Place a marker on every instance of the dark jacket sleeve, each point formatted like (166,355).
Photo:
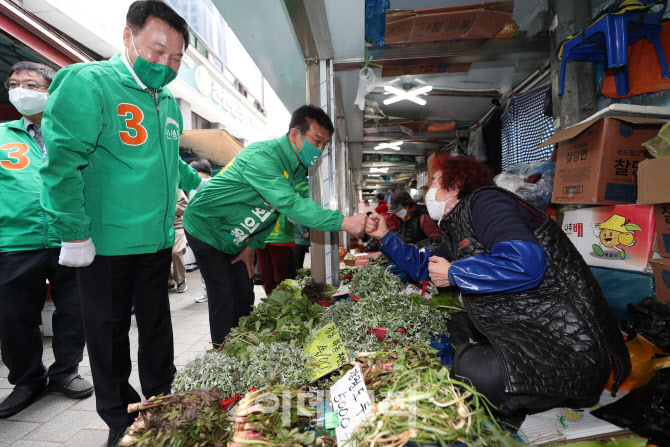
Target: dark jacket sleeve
(516,261)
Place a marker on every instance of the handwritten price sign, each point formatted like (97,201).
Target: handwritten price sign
(352,403)
(328,350)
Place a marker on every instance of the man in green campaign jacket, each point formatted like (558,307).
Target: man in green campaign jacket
(29,252)
(236,211)
(112,176)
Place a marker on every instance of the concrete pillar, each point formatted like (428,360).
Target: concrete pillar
(579,101)
(318,238)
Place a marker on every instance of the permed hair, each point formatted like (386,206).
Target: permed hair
(462,172)
(45,71)
(140,11)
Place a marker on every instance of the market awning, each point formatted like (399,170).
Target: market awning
(216,145)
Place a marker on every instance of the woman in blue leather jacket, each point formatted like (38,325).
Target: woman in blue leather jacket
(537,332)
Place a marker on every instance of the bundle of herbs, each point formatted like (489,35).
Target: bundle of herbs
(211,369)
(381,368)
(193,418)
(279,364)
(280,317)
(427,406)
(374,279)
(275,416)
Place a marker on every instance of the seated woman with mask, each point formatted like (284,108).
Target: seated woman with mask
(537,332)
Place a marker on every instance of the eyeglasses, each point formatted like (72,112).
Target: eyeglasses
(28,85)
(323,145)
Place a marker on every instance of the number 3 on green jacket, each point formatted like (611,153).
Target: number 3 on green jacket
(24,223)
(113,165)
(239,206)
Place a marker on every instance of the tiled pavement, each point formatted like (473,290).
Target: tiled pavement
(55,420)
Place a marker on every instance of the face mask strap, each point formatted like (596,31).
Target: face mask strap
(132,39)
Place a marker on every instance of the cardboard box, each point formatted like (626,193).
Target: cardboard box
(653,181)
(399,26)
(463,22)
(662,217)
(662,279)
(597,160)
(617,237)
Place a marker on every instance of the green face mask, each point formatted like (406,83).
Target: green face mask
(151,74)
(309,154)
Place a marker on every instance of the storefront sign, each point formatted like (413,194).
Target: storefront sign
(237,117)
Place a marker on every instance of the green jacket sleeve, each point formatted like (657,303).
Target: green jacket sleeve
(71,125)
(267,178)
(188,177)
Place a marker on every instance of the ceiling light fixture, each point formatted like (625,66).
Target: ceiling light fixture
(409,95)
(382,170)
(394,145)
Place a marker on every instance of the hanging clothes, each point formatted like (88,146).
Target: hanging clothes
(524,126)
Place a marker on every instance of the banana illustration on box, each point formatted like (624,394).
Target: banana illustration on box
(615,234)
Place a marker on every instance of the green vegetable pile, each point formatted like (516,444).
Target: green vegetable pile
(270,364)
(384,305)
(285,316)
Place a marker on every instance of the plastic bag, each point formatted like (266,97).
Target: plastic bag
(659,146)
(645,411)
(476,145)
(366,83)
(539,193)
(652,320)
(515,179)
(644,364)
(375,20)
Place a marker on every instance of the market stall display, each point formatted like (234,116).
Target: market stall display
(266,358)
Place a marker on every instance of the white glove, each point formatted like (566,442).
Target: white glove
(77,254)
(202,183)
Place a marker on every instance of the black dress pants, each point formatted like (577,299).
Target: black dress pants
(230,291)
(23,289)
(107,289)
(476,362)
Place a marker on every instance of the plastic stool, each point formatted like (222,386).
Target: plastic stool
(607,40)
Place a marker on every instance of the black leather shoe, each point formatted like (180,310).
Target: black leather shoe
(20,398)
(115,435)
(75,387)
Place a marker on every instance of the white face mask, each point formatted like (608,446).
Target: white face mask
(401,214)
(435,208)
(28,102)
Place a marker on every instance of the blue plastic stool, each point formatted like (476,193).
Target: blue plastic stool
(607,40)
